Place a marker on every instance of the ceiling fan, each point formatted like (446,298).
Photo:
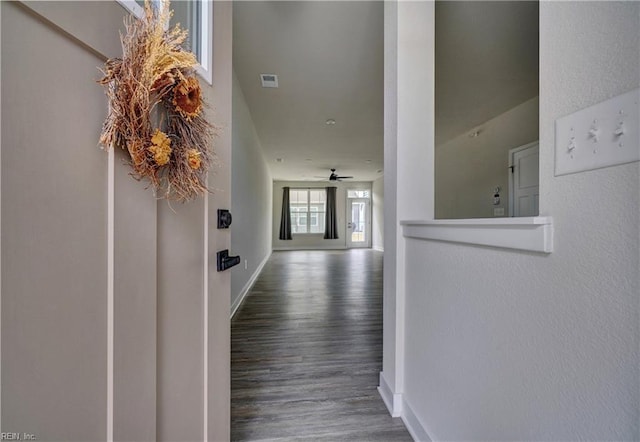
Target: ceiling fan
(334,176)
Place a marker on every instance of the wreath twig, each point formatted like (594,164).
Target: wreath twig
(156,107)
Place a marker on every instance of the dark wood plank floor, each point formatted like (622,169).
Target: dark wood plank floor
(306,351)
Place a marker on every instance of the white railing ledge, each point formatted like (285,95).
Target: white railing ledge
(534,234)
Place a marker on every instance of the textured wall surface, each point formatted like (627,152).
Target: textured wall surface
(503,345)
(251,197)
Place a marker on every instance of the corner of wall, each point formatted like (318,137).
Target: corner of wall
(398,406)
(393,401)
(239,299)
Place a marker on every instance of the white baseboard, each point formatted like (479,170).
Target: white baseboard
(393,401)
(398,407)
(286,249)
(247,287)
(378,248)
(415,428)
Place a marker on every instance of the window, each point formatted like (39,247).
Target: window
(307,210)
(358,194)
(187,13)
(197,17)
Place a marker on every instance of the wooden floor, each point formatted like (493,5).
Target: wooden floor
(306,351)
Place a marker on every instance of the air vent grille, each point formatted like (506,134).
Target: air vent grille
(269,80)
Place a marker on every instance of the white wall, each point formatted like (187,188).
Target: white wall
(251,200)
(468,169)
(504,345)
(408,166)
(377,207)
(313,241)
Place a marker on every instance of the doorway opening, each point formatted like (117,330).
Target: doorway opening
(524,187)
(358,219)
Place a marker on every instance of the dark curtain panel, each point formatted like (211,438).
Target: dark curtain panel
(331,217)
(285,220)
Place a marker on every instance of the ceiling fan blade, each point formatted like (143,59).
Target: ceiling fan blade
(335,177)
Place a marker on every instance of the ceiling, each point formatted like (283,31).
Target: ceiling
(329,59)
(486,62)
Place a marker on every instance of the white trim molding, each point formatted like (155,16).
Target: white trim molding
(247,287)
(110,287)
(205,317)
(392,400)
(300,248)
(0,230)
(411,421)
(534,234)
(399,407)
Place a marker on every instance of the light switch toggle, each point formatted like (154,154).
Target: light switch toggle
(617,143)
(572,144)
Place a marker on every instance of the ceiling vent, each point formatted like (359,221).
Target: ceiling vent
(269,80)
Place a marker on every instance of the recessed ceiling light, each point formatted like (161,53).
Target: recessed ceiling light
(330,122)
(279,160)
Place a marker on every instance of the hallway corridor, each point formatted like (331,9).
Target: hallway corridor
(306,351)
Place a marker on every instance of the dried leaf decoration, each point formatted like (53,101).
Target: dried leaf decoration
(156,107)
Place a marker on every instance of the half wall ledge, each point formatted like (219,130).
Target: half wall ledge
(533,234)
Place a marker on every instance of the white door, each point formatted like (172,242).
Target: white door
(524,188)
(115,323)
(358,222)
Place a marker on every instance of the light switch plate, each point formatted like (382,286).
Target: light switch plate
(601,135)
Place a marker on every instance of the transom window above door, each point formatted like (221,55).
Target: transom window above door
(353,193)
(194,15)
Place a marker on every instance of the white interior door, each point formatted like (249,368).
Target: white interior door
(524,187)
(358,222)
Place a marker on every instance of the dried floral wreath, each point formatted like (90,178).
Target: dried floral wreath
(156,107)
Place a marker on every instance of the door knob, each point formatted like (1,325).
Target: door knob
(224,219)
(225,261)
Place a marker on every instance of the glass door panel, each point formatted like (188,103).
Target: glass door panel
(358,223)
